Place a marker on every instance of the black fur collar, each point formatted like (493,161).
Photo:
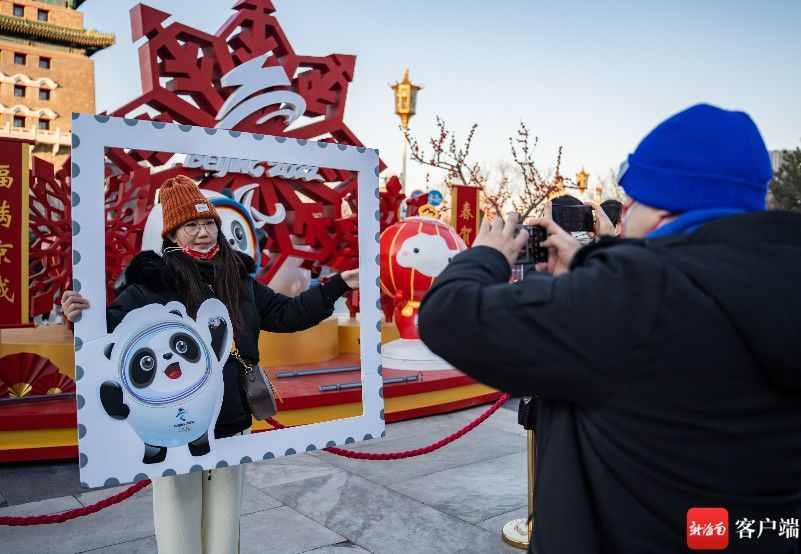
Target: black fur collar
(149,269)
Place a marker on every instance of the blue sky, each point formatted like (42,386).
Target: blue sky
(591,76)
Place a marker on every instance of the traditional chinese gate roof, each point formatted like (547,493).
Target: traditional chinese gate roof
(89,40)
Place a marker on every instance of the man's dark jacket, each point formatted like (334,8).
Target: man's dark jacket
(148,281)
(668,376)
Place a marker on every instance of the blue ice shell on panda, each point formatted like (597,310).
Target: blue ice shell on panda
(238,227)
(168,375)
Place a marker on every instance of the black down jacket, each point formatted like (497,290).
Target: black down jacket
(668,376)
(147,282)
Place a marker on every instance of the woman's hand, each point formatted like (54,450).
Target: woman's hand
(561,248)
(72,304)
(351,278)
(500,235)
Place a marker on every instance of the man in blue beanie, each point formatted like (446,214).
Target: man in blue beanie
(666,365)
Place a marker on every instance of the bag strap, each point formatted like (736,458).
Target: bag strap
(250,296)
(235,353)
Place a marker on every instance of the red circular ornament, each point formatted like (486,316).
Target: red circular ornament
(413,252)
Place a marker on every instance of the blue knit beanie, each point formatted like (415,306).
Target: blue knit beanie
(703,157)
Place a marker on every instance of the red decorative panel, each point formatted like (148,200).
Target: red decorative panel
(465,212)
(246,76)
(14,187)
(51,230)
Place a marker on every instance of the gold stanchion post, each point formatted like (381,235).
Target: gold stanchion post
(518,532)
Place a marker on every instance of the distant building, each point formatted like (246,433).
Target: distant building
(776,159)
(45,71)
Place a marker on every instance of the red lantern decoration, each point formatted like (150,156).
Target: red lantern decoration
(413,252)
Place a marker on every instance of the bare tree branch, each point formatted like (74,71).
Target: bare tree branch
(520,185)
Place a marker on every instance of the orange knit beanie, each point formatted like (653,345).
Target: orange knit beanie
(182,201)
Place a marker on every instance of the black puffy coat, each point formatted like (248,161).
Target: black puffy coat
(668,376)
(147,282)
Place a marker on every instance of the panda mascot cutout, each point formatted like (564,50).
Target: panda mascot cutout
(168,370)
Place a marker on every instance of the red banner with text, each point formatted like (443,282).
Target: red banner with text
(465,216)
(14,173)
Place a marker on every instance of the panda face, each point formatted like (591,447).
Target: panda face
(142,367)
(165,363)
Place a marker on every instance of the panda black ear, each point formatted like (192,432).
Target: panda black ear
(176,312)
(107,350)
(218,329)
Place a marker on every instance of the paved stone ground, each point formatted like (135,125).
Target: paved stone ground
(456,499)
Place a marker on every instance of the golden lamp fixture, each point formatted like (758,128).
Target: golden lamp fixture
(405,98)
(582,178)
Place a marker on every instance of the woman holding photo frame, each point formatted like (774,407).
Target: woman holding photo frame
(199,512)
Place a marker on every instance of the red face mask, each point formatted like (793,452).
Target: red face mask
(197,254)
(201,255)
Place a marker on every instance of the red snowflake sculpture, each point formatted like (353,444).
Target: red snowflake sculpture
(124,194)
(245,77)
(51,230)
(248,77)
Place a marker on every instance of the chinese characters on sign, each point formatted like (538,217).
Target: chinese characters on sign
(4,248)
(13,233)
(5,214)
(464,212)
(5,292)
(6,180)
(467,211)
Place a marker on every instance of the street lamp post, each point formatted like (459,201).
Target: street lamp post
(405,102)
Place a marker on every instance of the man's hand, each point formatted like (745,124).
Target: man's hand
(351,278)
(602,224)
(561,248)
(500,235)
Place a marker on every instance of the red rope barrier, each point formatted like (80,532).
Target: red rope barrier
(133,489)
(417,451)
(77,512)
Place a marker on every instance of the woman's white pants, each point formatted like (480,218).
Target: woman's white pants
(196,514)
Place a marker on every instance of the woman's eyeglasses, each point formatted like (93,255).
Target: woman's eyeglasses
(193,227)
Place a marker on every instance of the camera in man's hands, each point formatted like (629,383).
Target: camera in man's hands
(573,218)
(533,251)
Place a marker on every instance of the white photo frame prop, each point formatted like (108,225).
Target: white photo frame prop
(110,451)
